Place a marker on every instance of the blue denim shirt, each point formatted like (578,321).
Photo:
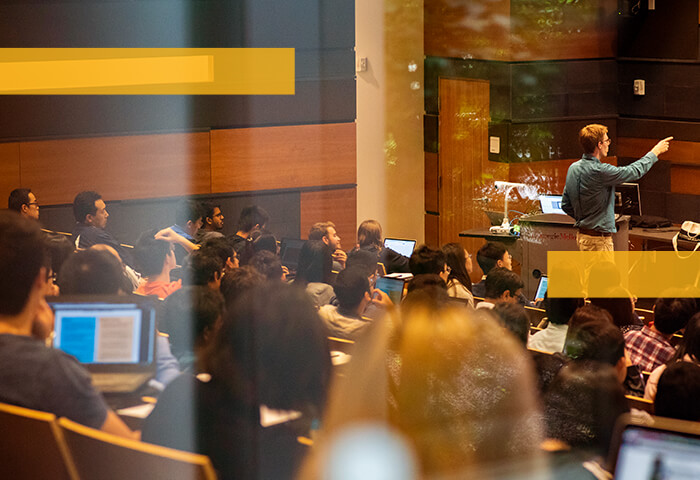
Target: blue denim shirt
(589,194)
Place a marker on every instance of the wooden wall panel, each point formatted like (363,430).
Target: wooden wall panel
(9,172)
(685,179)
(338,206)
(283,157)
(141,166)
(432,228)
(680,153)
(431,182)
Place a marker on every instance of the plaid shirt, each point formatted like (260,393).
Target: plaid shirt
(647,348)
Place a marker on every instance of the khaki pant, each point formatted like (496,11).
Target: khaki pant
(592,243)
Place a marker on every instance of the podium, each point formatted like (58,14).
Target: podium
(540,234)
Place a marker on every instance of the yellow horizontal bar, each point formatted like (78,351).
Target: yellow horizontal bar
(147,71)
(616,274)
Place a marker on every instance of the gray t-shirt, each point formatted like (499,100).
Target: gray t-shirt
(41,378)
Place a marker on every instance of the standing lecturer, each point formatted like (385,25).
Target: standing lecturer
(589,194)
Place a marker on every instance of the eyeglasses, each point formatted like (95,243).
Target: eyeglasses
(448,269)
(606,141)
(36,204)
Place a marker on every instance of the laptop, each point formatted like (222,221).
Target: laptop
(665,448)
(112,336)
(541,288)
(551,204)
(392,286)
(289,252)
(400,245)
(627,199)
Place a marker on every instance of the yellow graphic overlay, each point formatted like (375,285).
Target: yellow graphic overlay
(147,71)
(616,274)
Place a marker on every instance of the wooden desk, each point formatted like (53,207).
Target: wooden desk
(658,238)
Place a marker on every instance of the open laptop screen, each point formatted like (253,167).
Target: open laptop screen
(551,204)
(541,288)
(105,332)
(392,287)
(400,245)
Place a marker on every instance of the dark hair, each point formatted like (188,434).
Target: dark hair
(218,247)
(84,205)
(582,404)
(514,318)
(150,254)
(588,313)
(315,263)
(362,259)
(268,264)
(620,310)
(431,286)
(560,310)
(456,258)
(59,248)
(672,314)
(690,343)
(427,260)
(201,267)
(597,340)
(22,254)
(92,272)
(369,234)
(189,313)
(273,343)
(252,216)
(500,280)
(188,211)
(678,392)
(17,198)
(320,230)
(489,254)
(350,287)
(238,282)
(208,209)
(266,242)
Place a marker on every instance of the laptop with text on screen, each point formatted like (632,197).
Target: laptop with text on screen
(112,336)
(551,204)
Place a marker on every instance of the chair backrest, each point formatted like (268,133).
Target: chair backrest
(640,403)
(32,446)
(340,344)
(98,455)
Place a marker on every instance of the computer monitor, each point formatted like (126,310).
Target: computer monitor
(627,199)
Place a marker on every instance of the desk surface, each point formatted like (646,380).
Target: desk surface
(663,235)
(485,233)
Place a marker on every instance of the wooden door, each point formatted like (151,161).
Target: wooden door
(464,169)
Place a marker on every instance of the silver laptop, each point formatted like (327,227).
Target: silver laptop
(402,246)
(112,336)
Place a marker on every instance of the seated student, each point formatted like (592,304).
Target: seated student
(59,248)
(650,347)
(155,259)
(191,316)
(514,318)
(501,285)
(326,232)
(367,261)
(91,217)
(582,405)
(239,283)
(132,278)
(251,223)
(369,237)
(271,350)
(621,309)
(678,392)
(188,221)
(269,265)
(559,311)
(353,293)
(24,202)
(314,272)
(688,351)
(490,256)
(100,273)
(460,262)
(33,375)
(220,247)
(212,223)
(203,269)
(426,260)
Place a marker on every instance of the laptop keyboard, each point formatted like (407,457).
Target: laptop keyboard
(119,382)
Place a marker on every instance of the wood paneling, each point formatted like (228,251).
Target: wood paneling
(680,153)
(140,166)
(9,171)
(431,182)
(283,157)
(432,226)
(338,206)
(685,179)
(464,166)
